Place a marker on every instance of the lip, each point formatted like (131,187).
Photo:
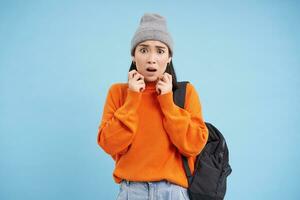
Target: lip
(150,73)
(151,68)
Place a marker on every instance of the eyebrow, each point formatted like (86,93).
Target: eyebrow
(145,45)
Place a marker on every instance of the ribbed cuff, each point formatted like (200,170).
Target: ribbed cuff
(166,102)
(132,100)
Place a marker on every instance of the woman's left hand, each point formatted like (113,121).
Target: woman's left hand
(164,84)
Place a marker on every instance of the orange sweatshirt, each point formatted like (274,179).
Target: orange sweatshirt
(146,133)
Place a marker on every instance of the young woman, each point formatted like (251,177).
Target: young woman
(142,129)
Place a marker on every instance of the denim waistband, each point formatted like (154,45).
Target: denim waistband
(162,182)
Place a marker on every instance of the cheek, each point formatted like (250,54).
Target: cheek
(139,70)
(163,62)
(140,64)
(163,67)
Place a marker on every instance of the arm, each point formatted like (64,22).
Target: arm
(119,122)
(185,127)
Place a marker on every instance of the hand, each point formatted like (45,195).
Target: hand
(136,81)
(164,84)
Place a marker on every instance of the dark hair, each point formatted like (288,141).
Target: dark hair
(169,69)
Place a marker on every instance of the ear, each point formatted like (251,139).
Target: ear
(170,58)
(132,58)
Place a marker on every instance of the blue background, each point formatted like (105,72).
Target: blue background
(58,59)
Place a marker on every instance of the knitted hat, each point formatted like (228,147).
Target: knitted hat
(152,27)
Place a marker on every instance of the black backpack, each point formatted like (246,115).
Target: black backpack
(211,166)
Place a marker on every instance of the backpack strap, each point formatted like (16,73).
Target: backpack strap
(179,100)
(179,94)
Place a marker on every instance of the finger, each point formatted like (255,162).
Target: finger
(131,74)
(141,78)
(160,78)
(157,80)
(170,77)
(158,90)
(158,87)
(140,81)
(165,78)
(138,77)
(142,88)
(161,83)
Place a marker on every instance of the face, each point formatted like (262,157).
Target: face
(151,58)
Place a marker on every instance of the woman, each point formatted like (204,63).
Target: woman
(142,129)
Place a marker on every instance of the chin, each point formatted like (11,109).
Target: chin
(151,79)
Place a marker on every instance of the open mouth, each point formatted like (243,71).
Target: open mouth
(149,69)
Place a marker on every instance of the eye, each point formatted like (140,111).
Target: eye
(143,50)
(160,51)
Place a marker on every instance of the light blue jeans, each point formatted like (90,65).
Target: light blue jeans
(158,190)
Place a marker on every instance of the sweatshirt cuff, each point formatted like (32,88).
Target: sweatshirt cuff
(132,100)
(166,102)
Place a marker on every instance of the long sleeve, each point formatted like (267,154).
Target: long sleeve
(185,127)
(119,121)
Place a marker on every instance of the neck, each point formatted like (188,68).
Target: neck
(151,85)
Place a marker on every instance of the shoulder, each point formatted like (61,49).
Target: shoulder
(117,93)
(117,90)
(191,92)
(118,87)
(189,87)
(192,99)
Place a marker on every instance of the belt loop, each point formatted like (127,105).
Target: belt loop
(148,185)
(126,182)
(167,182)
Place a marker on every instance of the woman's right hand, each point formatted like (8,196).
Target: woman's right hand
(136,81)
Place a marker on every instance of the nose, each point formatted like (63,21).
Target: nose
(151,58)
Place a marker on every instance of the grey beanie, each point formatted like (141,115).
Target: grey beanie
(152,27)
